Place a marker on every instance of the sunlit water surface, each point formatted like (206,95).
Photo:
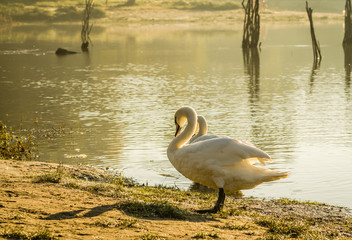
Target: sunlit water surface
(114,107)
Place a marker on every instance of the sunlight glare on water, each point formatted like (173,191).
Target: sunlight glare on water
(116,104)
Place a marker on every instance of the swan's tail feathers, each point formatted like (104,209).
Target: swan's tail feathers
(261,160)
(275,175)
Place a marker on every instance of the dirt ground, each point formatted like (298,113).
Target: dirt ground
(75,214)
(29,207)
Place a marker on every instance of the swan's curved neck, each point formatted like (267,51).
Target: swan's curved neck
(203,126)
(186,134)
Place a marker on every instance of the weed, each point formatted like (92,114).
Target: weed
(19,233)
(120,180)
(15,147)
(92,187)
(289,227)
(150,236)
(120,223)
(53,177)
(203,235)
(294,201)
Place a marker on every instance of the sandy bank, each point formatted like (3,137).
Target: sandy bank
(79,202)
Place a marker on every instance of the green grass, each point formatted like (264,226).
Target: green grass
(203,235)
(284,226)
(119,223)
(21,234)
(294,201)
(150,236)
(53,177)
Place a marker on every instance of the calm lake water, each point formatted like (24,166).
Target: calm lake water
(114,107)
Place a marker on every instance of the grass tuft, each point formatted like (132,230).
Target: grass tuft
(153,210)
(150,236)
(288,227)
(19,233)
(15,147)
(203,235)
(120,223)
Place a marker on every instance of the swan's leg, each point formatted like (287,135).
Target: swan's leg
(218,205)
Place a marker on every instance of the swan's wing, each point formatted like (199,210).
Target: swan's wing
(224,151)
(248,151)
(262,156)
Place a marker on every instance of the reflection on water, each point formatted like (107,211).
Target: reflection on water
(114,106)
(348,66)
(315,70)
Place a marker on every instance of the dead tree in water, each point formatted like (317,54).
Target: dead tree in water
(86,27)
(347,39)
(251,25)
(347,43)
(315,44)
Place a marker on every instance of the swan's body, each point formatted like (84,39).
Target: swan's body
(220,163)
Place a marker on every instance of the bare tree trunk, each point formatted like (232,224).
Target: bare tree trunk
(86,27)
(251,25)
(315,44)
(347,39)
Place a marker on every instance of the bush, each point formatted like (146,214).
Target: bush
(15,147)
(68,14)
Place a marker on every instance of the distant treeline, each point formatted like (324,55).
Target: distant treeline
(335,6)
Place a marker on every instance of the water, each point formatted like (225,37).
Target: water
(114,107)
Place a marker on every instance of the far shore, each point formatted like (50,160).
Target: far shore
(151,15)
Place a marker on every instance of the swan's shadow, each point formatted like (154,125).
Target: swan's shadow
(155,211)
(93,212)
(161,210)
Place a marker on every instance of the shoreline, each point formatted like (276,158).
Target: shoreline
(80,202)
(152,15)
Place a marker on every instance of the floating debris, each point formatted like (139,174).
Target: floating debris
(75,155)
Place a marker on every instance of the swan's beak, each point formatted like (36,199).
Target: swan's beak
(177,128)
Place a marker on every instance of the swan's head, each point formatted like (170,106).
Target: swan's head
(179,122)
(181,117)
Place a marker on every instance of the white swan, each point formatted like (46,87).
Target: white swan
(219,163)
(202,128)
